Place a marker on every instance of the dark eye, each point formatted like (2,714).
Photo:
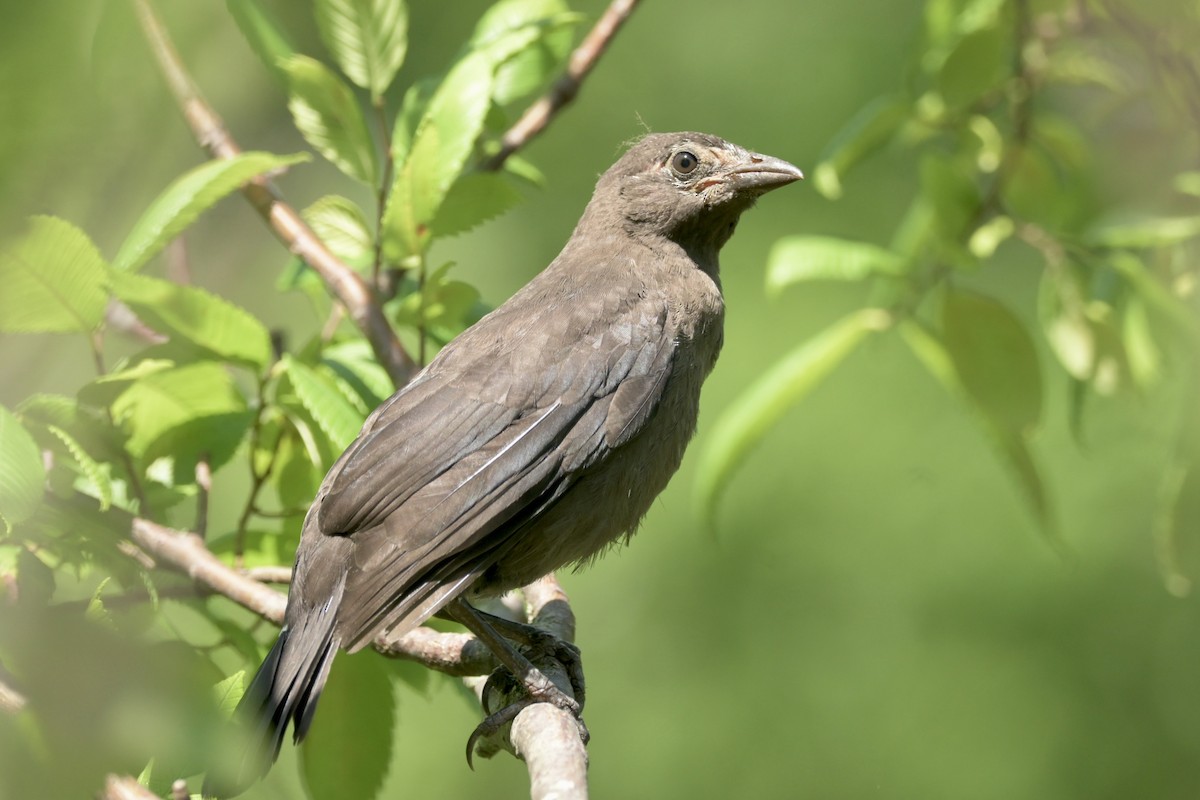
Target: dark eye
(684,162)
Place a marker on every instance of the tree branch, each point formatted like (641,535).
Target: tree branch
(11,701)
(210,132)
(539,115)
(123,787)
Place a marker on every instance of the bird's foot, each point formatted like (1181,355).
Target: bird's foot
(538,689)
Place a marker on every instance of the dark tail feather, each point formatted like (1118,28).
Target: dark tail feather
(285,689)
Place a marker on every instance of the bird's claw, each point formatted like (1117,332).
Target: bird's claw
(550,694)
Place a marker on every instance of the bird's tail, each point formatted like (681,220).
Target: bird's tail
(285,689)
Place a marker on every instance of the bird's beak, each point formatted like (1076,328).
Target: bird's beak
(763,173)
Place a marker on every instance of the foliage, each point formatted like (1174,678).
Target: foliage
(1004,177)
(212,391)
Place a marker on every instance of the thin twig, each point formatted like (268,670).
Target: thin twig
(582,60)
(203,490)
(342,281)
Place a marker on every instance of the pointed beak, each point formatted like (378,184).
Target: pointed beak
(761,173)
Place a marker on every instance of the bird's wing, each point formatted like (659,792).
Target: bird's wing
(446,473)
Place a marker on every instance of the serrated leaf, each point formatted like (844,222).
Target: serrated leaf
(54,280)
(808,258)
(330,119)
(213,324)
(22,474)
(528,70)
(865,133)
(473,200)
(228,692)
(90,468)
(342,226)
(756,410)
(355,363)
(349,752)
(189,196)
(337,417)
(263,32)
(442,142)
(1009,445)
(183,412)
(368,39)
(995,359)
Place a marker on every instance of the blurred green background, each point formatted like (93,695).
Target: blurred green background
(877,614)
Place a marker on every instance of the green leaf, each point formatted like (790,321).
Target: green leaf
(103,390)
(184,412)
(1151,232)
(337,417)
(756,410)
(528,70)
(990,235)
(349,752)
(54,280)
(228,692)
(866,132)
(1156,296)
(810,258)
(211,323)
(263,33)
(995,358)
(1062,311)
(259,548)
(330,119)
(442,142)
(1008,444)
(977,64)
(91,469)
(951,192)
(355,364)
(1143,354)
(473,200)
(22,474)
(368,39)
(343,227)
(189,196)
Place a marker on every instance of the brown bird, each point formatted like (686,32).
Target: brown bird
(535,439)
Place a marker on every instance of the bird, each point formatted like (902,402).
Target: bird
(537,438)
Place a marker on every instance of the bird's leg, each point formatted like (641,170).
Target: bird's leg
(543,642)
(538,687)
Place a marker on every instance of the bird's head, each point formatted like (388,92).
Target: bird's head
(689,187)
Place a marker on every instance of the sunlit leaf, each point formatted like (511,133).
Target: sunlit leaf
(183,412)
(229,692)
(1061,310)
(263,32)
(442,141)
(337,417)
(53,279)
(330,119)
(187,197)
(91,469)
(359,707)
(528,70)
(211,323)
(990,235)
(368,39)
(342,226)
(995,359)
(21,471)
(756,410)
(794,259)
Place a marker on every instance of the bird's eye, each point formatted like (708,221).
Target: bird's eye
(684,162)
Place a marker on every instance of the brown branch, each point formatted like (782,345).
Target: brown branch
(454,654)
(343,282)
(582,60)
